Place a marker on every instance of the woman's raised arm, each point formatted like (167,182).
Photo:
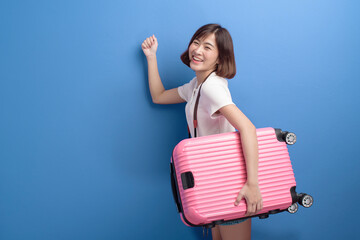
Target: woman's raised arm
(158,93)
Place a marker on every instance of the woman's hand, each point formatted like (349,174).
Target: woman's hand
(252,195)
(149,46)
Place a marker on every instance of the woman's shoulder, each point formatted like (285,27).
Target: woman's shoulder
(215,86)
(216,80)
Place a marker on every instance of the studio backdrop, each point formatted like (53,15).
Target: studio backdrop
(84,153)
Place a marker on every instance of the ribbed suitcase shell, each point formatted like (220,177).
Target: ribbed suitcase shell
(218,168)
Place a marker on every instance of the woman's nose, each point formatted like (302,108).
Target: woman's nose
(197,49)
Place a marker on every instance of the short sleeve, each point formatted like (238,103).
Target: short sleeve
(186,90)
(217,96)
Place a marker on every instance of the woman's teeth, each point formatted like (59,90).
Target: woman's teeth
(197,59)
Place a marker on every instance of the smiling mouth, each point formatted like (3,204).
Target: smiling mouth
(196,59)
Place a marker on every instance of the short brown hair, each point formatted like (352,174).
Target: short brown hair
(226,67)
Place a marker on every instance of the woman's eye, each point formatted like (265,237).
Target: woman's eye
(207,48)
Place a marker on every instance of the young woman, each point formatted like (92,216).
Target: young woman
(211,55)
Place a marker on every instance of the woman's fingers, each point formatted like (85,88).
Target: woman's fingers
(238,199)
(259,206)
(252,197)
(149,42)
(248,210)
(251,209)
(149,46)
(255,207)
(146,44)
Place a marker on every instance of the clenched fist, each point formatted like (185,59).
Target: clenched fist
(149,46)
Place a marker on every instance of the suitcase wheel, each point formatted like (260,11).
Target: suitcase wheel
(290,138)
(306,200)
(293,208)
(285,136)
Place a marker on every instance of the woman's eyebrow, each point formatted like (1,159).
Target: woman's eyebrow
(209,44)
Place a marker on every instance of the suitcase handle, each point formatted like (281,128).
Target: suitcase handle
(187,179)
(174,187)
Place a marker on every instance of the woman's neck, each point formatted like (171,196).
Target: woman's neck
(201,76)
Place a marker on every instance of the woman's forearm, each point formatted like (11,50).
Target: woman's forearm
(155,84)
(250,150)
(249,141)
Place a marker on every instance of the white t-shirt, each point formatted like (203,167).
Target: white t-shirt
(215,94)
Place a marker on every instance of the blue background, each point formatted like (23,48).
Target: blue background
(84,153)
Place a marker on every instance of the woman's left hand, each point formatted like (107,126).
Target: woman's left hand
(252,195)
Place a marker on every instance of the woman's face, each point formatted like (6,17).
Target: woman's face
(203,54)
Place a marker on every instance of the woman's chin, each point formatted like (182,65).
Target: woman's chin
(195,66)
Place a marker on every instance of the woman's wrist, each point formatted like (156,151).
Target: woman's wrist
(151,57)
(252,182)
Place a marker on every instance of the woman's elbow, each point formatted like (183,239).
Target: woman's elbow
(156,100)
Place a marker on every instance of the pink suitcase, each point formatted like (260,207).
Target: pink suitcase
(207,174)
